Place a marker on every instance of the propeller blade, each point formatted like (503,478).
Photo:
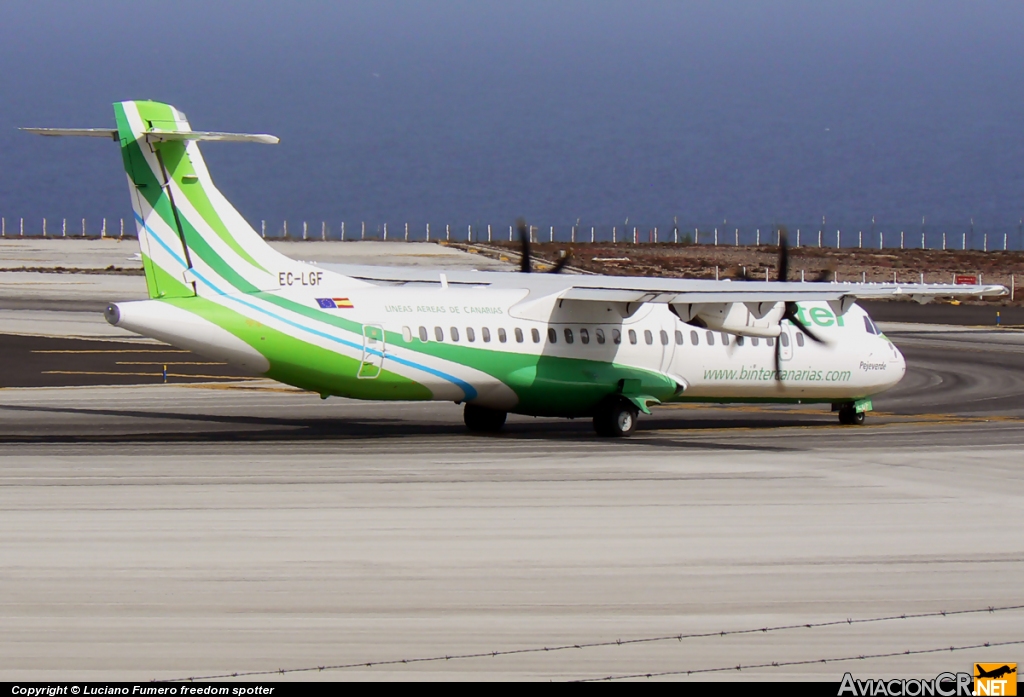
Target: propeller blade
(826,275)
(791,315)
(562,262)
(525,263)
(783,274)
(778,358)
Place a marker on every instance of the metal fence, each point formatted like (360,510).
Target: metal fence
(934,237)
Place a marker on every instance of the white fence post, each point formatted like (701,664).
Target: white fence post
(83,227)
(984,247)
(943,241)
(122,227)
(634,234)
(407,232)
(342,230)
(305,230)
(737,242)
(469,233)
(509,233)
(3,227)
(1005,236)
(819,238)
(964,244)
(447,232)
(591,233)
(860,239)
(362,234)
(385,232)
(488,232)
(428,232)
(44,227)
(64,227)
(757,242)
(263,229)
(881,240)
(286,229)
(901,239)
(21,227)
(716,237)
(323,230)
(613,234)
(798,237)
(551,235)
(839,239)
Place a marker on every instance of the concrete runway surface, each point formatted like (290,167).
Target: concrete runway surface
(168,531)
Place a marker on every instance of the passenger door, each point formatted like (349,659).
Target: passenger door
(372,361)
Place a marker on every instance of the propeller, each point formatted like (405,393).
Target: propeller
(791,310)
(526,258)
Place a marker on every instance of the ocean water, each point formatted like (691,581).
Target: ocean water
(732,115)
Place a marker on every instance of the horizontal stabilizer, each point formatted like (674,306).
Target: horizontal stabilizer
(87,132)
(157,136)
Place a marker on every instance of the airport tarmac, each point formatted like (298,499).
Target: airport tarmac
(212,525)
(177,530)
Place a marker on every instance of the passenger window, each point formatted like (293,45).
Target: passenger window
(502,337)
(725,339)
(423,334)
(784,339)
(519,335)
(632,336)
(694,338)
(679,338)
(739,340)
(584,336)
(552,335)
(664,338)
(799,339)
(406,334)
(648,337)
(770,341)
(470,334)
(753,341)
(599,335)
(616,337)
(439,333)
(711,338)
(454,333)
(568,336)
(485,334)
(535,333)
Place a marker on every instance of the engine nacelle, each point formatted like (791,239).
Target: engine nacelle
(743,319)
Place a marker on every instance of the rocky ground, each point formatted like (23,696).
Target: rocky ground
(705,261)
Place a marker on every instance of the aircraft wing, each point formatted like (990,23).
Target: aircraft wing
(639,289)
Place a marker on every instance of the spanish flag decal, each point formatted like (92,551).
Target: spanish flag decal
(334,303)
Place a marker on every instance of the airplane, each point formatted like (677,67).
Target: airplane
(995,673)
(540,344)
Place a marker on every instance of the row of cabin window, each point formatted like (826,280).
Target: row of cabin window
(598,336)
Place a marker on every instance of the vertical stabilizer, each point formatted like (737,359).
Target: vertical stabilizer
(193,241)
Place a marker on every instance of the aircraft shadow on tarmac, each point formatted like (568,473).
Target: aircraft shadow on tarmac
(282,429)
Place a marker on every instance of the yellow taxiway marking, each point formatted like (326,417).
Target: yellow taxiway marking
(114,351)
(156,375)
(167,363)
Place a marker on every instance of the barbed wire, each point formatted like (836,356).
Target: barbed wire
(594,644)
(783,664)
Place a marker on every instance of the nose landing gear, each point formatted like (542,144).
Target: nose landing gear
(849,416)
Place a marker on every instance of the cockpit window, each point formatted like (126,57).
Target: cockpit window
(869,326)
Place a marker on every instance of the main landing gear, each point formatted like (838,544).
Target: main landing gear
(615,418)
(849,416)
(483,420)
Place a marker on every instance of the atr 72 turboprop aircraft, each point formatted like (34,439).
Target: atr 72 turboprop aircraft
(537,344)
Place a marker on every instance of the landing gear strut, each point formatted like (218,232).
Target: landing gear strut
(615,418)
(483,420)
(849,416)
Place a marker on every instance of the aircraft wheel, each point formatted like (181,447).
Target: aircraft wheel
(849,416)
(616,418)
(483,420)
